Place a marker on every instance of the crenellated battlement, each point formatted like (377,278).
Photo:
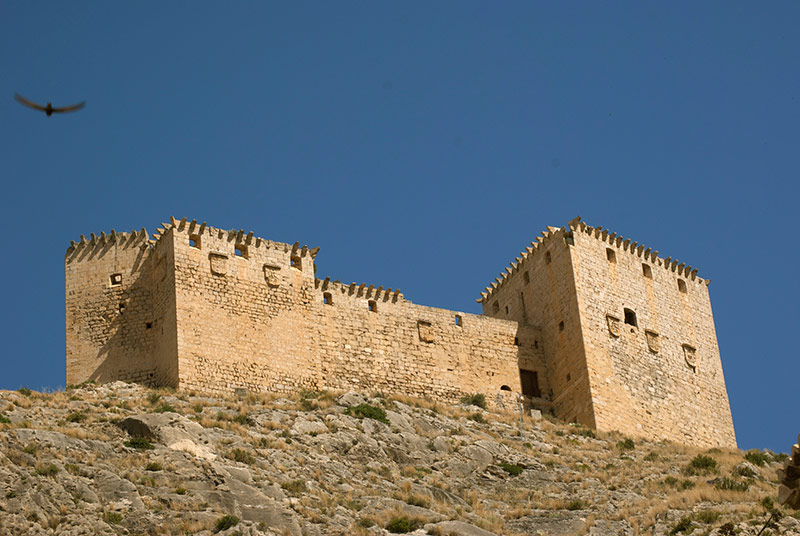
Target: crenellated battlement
(79,250)
(521,262)
(681,269)
(362,291)
(193,229)
(603,235)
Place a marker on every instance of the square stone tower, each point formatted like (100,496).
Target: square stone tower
(629,338)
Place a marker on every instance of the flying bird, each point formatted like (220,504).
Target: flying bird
(49,110)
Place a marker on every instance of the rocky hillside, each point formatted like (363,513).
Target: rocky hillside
(122,459)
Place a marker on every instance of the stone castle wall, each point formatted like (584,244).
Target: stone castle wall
(260,319)
(215,310)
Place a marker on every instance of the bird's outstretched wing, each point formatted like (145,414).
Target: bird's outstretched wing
(72,108)
(26,102)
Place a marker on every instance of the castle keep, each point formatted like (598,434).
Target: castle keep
(585,324)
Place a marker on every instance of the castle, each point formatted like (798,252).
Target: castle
(586,325)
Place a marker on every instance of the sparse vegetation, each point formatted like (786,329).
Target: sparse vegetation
(511,468)
(577,504)
(626,444)
(78,416)
(474,399)
(140,443)
(477,417)
(367,411)
(701,465)
(727,483)
(756,457)
(112,518)
(294,487)
(402,525)
(241,456)
(4,419)
(24,391)
(165,408)
(682,526)
(153,466)
(226,522)
(47,469)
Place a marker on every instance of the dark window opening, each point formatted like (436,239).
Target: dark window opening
(561,326)
(296,262)
(327,298)
(495,307)
(526,277)
(194,241)
(373,306)
(459,321)
(547,257)
(647,271)
(611,255)
(505,388)
(536,344)
(121,308)
(148,325)
(506,309)
(682,285)
(530,383)
(240,251)
(115,279)
(569,377)
(630,318)
(516,341)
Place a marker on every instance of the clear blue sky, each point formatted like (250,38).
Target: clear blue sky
(422,145)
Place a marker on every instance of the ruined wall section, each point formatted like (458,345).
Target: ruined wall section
(661,378)
(538,289)
(110,310)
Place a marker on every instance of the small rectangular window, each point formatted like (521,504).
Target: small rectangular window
(148,325)
(561,326)
(327,298)
(506,310)
(526,277)
(682,285)
(647,271)
(373,306)
(194,241)
(547,258)
(459,321)
(611,255)
(630,317)
(495,307)
(115,280)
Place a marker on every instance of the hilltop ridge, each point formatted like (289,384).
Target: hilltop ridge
(124,459)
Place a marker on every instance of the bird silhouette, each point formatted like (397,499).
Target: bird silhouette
(49,110)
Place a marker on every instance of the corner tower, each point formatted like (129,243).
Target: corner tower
(629,338)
